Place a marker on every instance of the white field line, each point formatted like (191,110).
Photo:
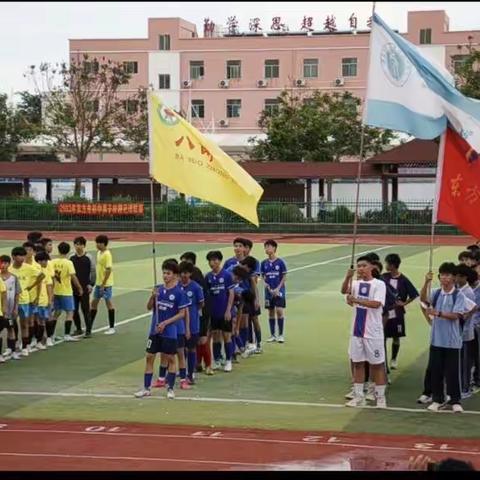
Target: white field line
(244,401)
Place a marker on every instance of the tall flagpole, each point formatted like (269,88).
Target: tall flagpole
(359,170)
(154,256)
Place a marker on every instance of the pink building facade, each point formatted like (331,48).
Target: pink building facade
(223,82)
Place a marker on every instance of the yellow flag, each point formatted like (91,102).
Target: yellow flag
(183,159)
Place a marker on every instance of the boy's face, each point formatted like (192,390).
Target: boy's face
(101,246)
(364,269)
(214,263)
(168,276)
(79,248)
(4,267)
(470,262)
(460,280)
(270,250)
(29,252)
(49,247)
(446,279)
(18,259)
(43,263)
(238,249)
(389,267)
(185,277)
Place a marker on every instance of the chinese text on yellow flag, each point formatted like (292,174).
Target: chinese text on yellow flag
(183,159)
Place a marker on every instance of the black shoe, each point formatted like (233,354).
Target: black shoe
(199,369)
(88,335)
(77,333)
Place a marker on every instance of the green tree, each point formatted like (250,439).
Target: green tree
(468,71)
(80,104)
(320,128)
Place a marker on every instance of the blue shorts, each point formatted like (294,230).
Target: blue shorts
(181,340)
(33,309)
(168,346)
(63,303)
(107,293)
(24,310)
(43,313)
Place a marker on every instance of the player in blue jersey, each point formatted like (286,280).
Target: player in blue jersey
(239,249)
(253,323)
(169,304)
(194,293)
(220,289)
(274,273)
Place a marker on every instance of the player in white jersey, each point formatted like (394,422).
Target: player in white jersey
(367,298)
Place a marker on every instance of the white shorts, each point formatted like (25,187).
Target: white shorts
(371,350)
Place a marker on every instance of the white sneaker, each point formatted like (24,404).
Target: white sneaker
(281,339)
(170,394)
(24,352)
(33,343)
(32,348)
(434,407)
(457,408)
(69,338)
(2,359)
(143,393)
(216,366)
(356,402)
(50,342)
(424,399)
(110,331)
(273,338)
(258,350)
(370,396)
(16,356)
(41,346)
(381,402)
(350,395)
(7,354)
(394,364)
(228,367)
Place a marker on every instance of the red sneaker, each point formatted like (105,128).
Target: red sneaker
(184,385)
(159,383)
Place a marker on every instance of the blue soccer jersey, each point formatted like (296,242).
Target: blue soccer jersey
(218,285)
(231,263)
(272,273)
(169,302)
(194,293)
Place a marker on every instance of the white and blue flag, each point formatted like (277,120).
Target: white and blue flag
(410,93)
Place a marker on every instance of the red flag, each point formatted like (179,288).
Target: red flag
(459,187)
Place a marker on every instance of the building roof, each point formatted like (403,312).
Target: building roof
(423,152)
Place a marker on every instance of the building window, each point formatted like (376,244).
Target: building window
(233,108)
(164,42)
(271,106)
(164,81)
(198,109)
(458,61)
(197,69)
(349,67)
(310,68)
(130,106)
(130,67)
(272,68)
(91,67)
(425,36)
(234,69)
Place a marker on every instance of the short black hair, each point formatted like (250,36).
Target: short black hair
(101,239)
(185,267)
(378,266)
(80,241)
(170,266)
(214,255)
(468,272)
(271,242)
(45,240)
(448,268)
(174,260)
(42,256)
(250,263)
(28,245)
(465,254)
(189,257)
(5,259)
(373,257)
(63,248)
(240,240)
(393,259)
(241,272)
(453,465)
(365,258)
(248,243)
(38,247)
(34,237)
(473,248)
(18,251)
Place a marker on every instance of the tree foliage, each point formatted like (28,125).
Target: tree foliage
(320,128)
(468,73)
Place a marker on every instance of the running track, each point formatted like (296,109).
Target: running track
(42,445)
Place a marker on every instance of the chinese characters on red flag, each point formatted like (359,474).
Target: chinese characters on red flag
(459,185)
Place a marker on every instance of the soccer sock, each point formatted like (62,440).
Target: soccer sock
(239,342)
(76,321)
(15,329)
(271,321)
(217,351)
(395,350)
(11,344)
(244,335)
(147,380)
(68,327)
(379,390)
(111,317)
(171,380)
(281,323)
(258,336)
(358,389)
(228,350)
(25,342)
(183,373)
(200,354)
(30,335)
(207,355)
(367,372)
(49,327)
(40,331)
(250,332)
(192,363)
(93,314)
(162,372)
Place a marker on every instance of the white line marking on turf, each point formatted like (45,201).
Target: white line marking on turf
(238,439)
(149,459)
(225,400)
(332,260)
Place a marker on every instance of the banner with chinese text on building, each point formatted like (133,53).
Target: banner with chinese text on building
(101,209)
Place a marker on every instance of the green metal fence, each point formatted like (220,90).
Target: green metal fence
(410,217)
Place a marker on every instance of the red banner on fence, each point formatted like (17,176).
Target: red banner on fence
(103,209)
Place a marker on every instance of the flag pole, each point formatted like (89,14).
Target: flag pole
(359,177)
(152,214)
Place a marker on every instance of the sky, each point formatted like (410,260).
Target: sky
(31,33)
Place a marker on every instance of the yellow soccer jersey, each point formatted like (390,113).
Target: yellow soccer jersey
(104,261)
(26,275)
(64,270)
(3,289)
(43,297)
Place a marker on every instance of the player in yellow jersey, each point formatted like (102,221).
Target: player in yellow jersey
(3,320)
(29,277)
(63,292)
(45,298)
(104,283)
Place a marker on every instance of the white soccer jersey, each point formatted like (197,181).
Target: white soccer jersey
(367,322)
